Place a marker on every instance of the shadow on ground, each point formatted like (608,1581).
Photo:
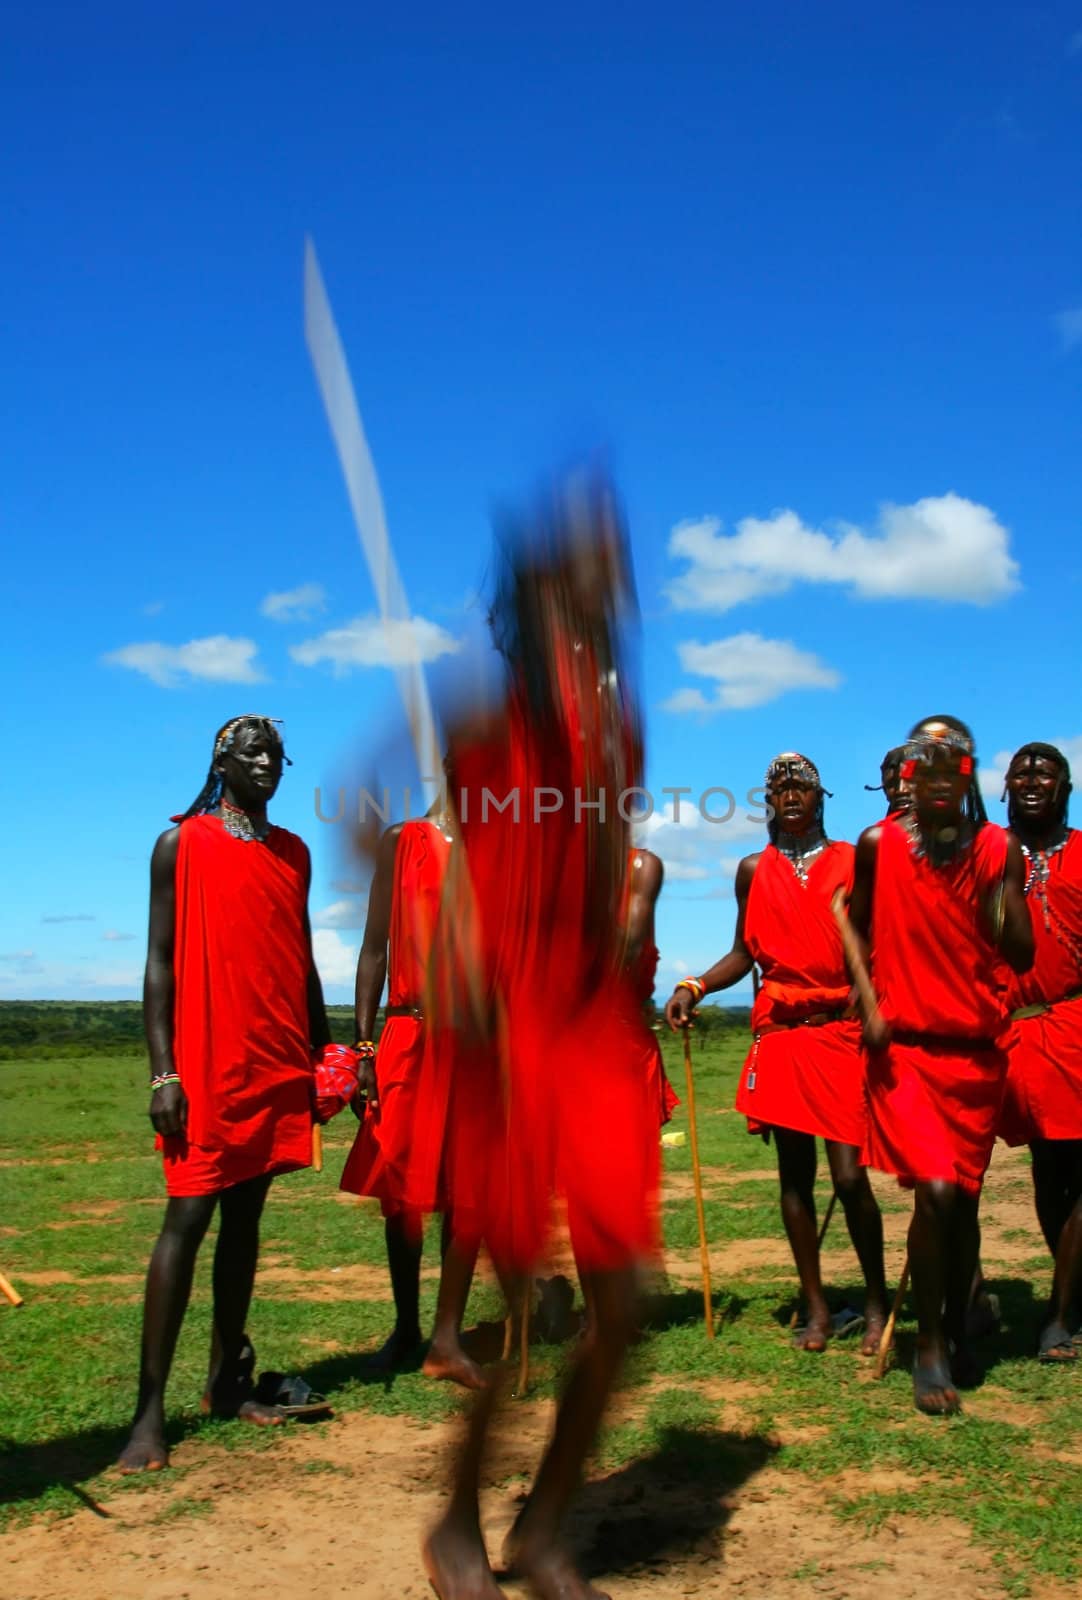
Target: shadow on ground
(674,1501)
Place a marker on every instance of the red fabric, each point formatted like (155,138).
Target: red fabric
(641,976)
(400,1147)
(790,932)
(933,1109)
(241,1034)
(933,966)
(560,1103)
(1043,1099)
(807,1079)
(334,1069)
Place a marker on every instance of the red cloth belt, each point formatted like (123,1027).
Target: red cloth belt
(405,1011)
(940,1041)
(1040,1007)
(818,1019)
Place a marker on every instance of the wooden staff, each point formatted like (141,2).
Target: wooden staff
(523,1382)
(704,1253)
(317,1147)
(887,1337)
(10,1292)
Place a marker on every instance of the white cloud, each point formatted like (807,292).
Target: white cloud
(152,608)
(295,605)
(341,914)
(370,642)
(685,872)
(1069,324)
(111,936)
(69,916)
(991,777)
(217,659)
(32,979)
(747,670)
(943,547)
(336,961)
(696,851)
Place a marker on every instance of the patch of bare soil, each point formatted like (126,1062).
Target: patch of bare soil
(339,1512)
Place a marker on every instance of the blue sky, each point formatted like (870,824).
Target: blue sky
(810,274)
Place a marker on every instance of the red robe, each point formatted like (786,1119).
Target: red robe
(1043,1099)
(383,1151)
(808,1079)
(553,1100)
(642,975)
(934,1101)
(241,1029)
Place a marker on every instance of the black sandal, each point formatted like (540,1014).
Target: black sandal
(291,1397)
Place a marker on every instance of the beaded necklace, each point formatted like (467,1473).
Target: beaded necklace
(800,850)
(240,825)
(1038,872)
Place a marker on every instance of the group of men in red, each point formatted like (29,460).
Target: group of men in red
(970,1025)
(516,1068)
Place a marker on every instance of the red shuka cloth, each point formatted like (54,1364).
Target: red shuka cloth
(383,1149)
(1043,1099)
(933,1106)
(807,1079)
(557,1101)
(241,1028)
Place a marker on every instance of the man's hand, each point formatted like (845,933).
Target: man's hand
(366,1081)
(876,1032)
(679,1009)
(169,1110)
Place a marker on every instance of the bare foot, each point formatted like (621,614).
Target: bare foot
(551,1573)
(395,1351)
(144,1452)
(874,1324)
(933,1388)
(813,1337)
(457,1564)
(453,1364)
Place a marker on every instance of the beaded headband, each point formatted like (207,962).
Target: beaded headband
(224,741)
(921,748)
(792,767)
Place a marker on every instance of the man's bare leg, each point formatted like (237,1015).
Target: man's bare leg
(796,1174)
(930,1238)
(1062,1161)
(865,1223)
(446,1357)
(453,1552)
(168,1288)
(235,1256)
(535,1545)
(404,1236)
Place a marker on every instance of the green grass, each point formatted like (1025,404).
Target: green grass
(81,1202)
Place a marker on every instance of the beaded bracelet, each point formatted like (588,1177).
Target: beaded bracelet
(696,988)
(162,1078)
(365,1049)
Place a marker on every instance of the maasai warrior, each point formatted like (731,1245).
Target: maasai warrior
(1043,1103)
(804,1075)
(233,1010)
(938,900)
(645,876)
(549,1097)
(891,782)
(399,1146)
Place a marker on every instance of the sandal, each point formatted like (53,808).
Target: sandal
(291,1397)
(1056,1346)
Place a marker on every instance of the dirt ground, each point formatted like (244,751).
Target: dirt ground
(339,1513)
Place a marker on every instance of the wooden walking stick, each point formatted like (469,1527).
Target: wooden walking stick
(317,1147)
(887,1337)
(704,1253)
(523,1381)
(10,1292)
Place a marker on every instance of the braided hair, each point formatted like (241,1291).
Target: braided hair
(210,795)
(955,735)
(890,762)
(1043,752)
